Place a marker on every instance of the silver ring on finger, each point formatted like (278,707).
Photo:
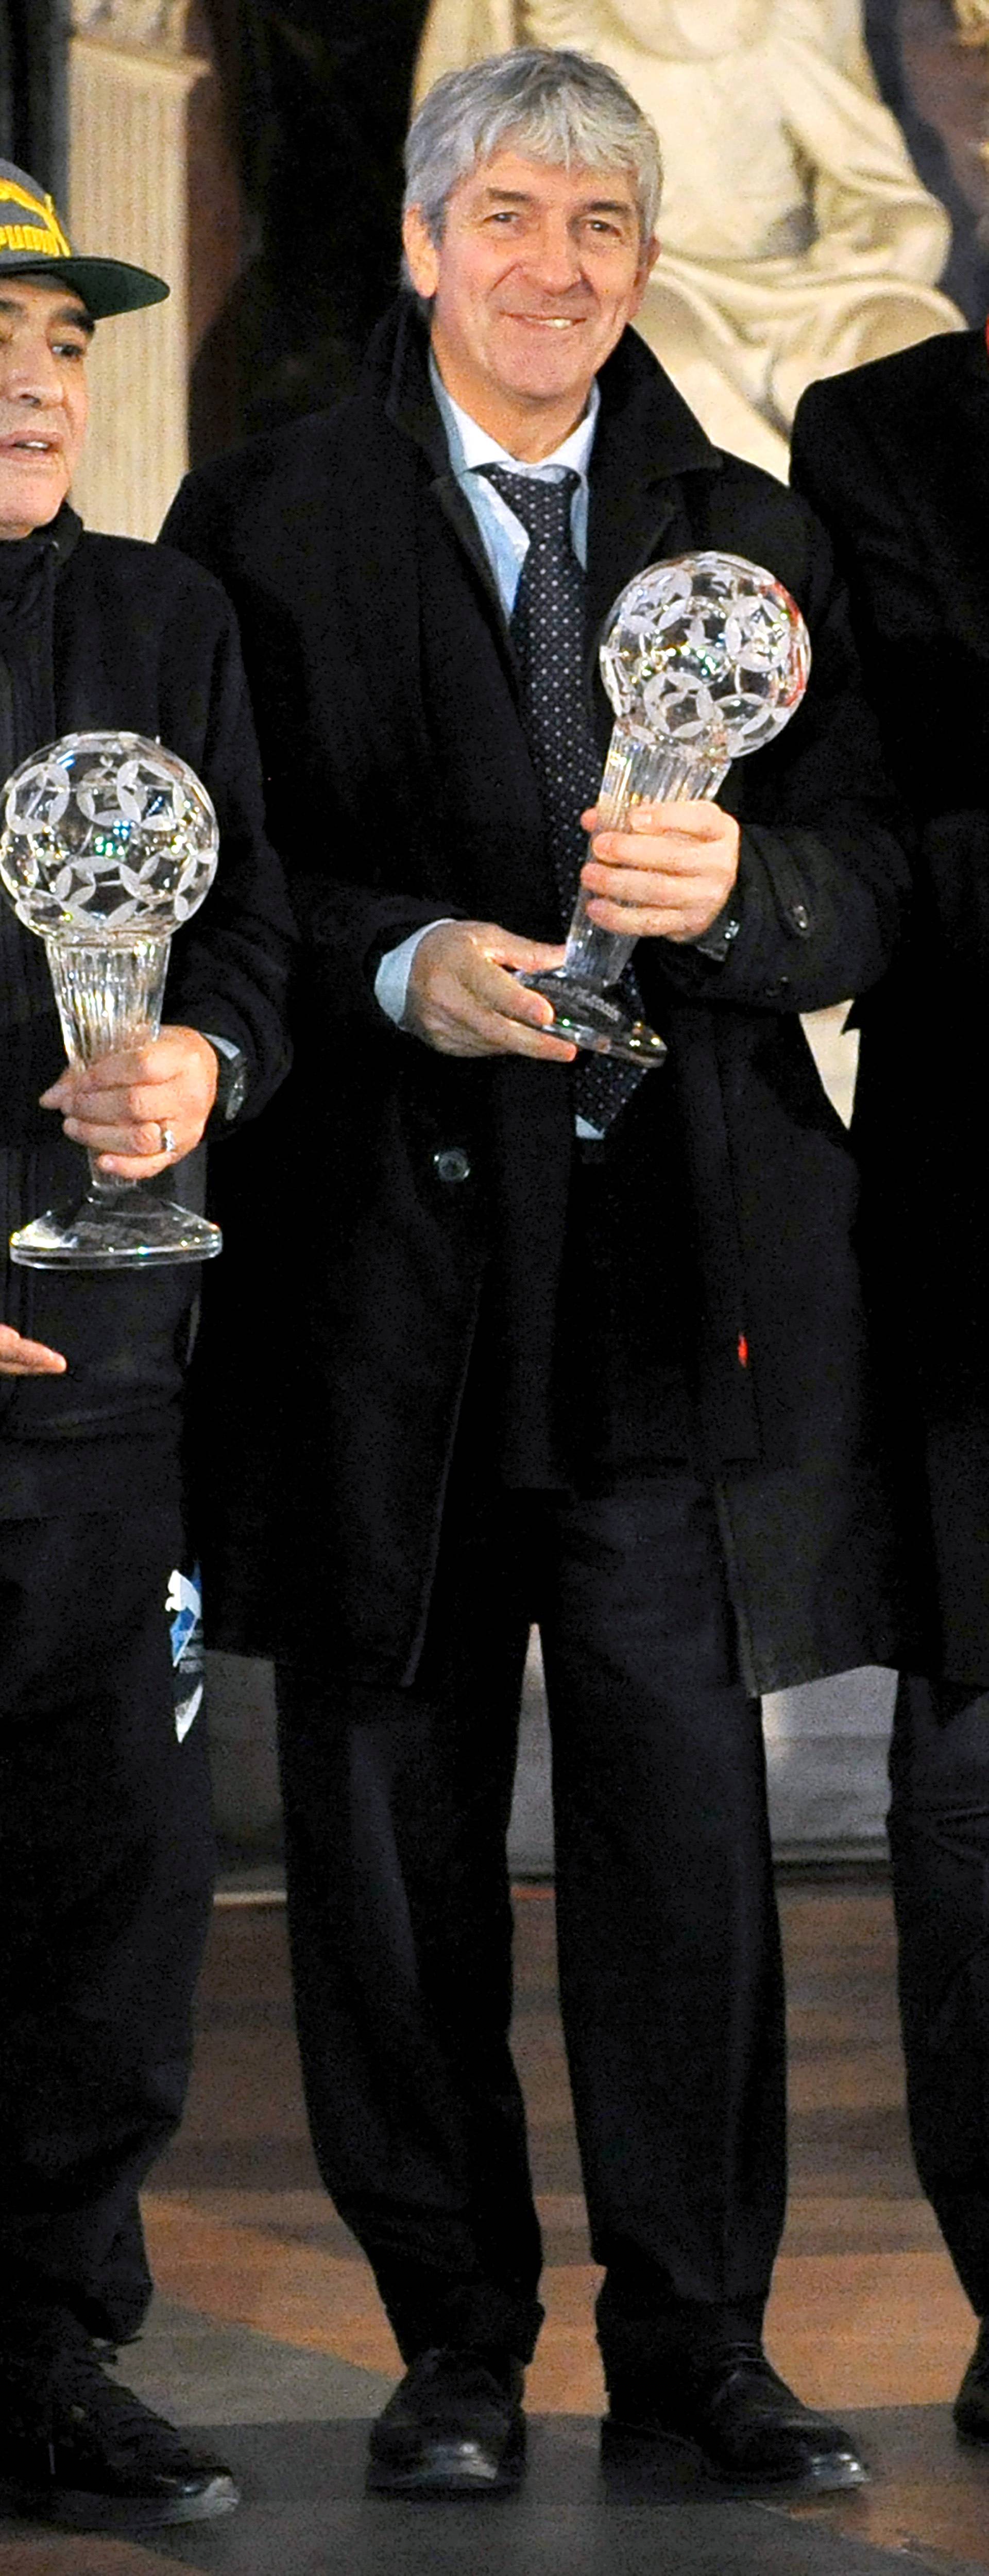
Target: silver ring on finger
(167,1139)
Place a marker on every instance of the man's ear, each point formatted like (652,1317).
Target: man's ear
(647,262)
(420,252)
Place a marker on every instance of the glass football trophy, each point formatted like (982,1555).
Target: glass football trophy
(109,844)
(705,659)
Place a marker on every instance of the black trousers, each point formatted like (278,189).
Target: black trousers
(939,1840)
(397,1805)
(105,1878)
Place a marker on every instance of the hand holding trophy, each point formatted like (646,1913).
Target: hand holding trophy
(109,845)
(706,659)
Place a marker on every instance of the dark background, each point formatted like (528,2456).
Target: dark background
(317,96)
(33,45)
(938,90)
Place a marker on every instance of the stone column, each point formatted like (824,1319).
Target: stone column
(129,85)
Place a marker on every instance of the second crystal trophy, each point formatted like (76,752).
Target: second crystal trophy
(705,659)
(109,844)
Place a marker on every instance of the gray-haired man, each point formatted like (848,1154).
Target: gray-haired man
(568,1355)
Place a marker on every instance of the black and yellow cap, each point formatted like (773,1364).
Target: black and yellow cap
(33,242)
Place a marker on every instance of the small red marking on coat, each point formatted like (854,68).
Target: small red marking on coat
(743,1351)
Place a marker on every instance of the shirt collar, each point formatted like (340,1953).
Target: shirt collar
(471,446)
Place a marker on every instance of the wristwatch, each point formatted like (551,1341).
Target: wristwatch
(231,1081)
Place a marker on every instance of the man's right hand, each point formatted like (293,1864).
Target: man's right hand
(464,999)
(19,1358)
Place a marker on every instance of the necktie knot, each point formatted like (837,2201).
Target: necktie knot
(543,507)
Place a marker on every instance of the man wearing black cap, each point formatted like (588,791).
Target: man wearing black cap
(105,1855)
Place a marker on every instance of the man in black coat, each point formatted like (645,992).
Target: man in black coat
(893,457)
(568,1358)
(105,1839)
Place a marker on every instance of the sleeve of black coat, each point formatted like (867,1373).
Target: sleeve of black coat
(925,660)
(345,924)
(230,966)
(824,876)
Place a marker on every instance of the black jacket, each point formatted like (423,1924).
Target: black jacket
(895,458)
(145,641)
(400,788)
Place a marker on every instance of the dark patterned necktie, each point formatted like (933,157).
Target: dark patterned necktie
(548,631)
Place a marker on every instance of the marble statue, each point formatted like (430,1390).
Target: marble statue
(797,238)
(973,19)
(157,24)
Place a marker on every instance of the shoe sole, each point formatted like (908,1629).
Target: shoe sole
(634,2447)
(446,2474)
(430,2487)
(76,2509)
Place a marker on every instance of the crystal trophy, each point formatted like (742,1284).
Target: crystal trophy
(706,658)
(109,844)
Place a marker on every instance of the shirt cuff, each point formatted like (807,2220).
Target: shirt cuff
(391,982)
(391,985)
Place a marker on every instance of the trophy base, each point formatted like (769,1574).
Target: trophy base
(594,1021)
(129,1231)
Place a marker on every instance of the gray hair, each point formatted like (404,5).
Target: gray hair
(552,106)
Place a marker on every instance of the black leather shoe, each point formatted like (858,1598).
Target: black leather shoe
(454,2427)
(971,2406)
(738,2414)
(77,2448)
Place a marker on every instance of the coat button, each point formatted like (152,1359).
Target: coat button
(800,918)
(451,1164)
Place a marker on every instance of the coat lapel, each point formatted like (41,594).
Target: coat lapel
(648,452)
(456,508)
(401,344)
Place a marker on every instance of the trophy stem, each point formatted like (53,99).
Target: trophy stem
(109,997)
(106,1185)
(638,771)
(109,993)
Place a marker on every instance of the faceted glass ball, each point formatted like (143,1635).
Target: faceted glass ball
(107,837)
(708,650)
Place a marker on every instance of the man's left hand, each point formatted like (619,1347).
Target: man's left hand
(124,1106)
(667,875)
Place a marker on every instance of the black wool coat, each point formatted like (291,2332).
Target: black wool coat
(400,789)
(145,641)
(895,458)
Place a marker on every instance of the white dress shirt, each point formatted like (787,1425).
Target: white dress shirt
(506,544)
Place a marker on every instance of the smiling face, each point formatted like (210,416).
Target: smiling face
(538,270)
(45,332)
